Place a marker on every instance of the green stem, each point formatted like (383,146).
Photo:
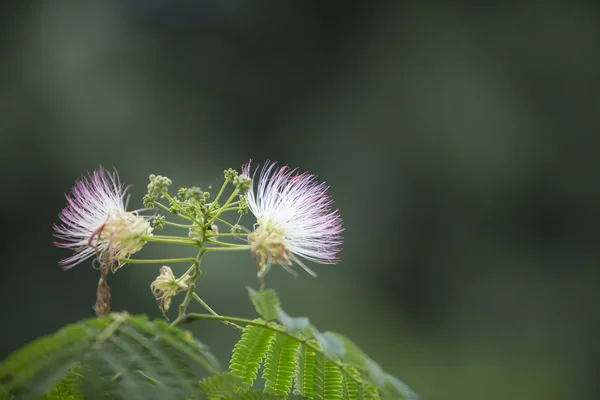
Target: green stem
(158,260)
(220,211)
(214,202)
(272,327)
(173,240)
(176,204)
(229,234)
(224,244)
(192,285)
(224,222)
(238,247)
(178,225)
(231,208)
(169,211)
(210,310)
(189,271)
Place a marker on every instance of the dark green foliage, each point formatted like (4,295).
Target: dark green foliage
(249,353)
(280,364)
(266,303)
(69,387)
(113,357)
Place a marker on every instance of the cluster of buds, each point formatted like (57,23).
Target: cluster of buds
(158,186)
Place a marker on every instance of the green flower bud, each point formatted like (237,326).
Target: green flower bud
(230,174)
(149,200)
(158,185)
(158,222)
(244,209)
(242,183)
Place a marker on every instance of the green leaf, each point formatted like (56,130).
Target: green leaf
(120,356)
(220,386)
(266,303)
(304,374)
(256,395)
(298,325)
(332,346)
(352,390)
(279,364)
(68,388)
(399,388)
(355,357)
(249,352)
(328,380)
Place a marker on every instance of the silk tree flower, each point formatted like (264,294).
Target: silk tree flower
(95,221)
(295,220)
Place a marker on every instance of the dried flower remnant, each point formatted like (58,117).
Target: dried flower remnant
(166,286)
(102,306)
(295,220)
(96,222)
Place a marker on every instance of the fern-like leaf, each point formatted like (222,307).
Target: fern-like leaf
(328,380)
(249,352)
(120,356)
(257,395)
(266,303)
(221,386)
(68,388)
(279,364)
(352,390)
(304,374)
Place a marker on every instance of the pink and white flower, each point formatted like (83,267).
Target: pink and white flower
(294,219)
(96,221)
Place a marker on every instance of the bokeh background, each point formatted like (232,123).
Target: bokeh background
(460,140)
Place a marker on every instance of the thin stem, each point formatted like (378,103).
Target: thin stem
(224,222)
(158,260)
(170,237)
(210,310)
(272,327)
(229,234)
(176,204)
(214,202)
(220,211)
(173,240)
(238,247)
(229,208)
(189,271)
(203,303)
(224,244)
(170,212)
(192,286)
(178,225)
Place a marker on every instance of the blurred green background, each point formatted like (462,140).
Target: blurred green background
(461,143)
